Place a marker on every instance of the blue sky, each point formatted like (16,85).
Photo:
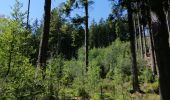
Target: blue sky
(100,9)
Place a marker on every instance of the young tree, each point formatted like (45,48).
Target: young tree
(17,14)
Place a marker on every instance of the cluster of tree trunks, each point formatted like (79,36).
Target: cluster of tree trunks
(156,23)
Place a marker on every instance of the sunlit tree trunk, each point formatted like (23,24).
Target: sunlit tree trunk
(144,39)
(140,36)
(136,44)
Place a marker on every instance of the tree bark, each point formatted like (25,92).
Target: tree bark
(161,40)
(42,57)
(28,13)
(135,82)
(153,56)
(135,35)
(140,35)
(86,35)
(144,39)
(154,70)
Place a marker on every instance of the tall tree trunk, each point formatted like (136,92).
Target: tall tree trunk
(135,34)
(42,57)
(28,13)
(153,56)
(161,40)
(135,82)
(140,36)
(86,35)
(154,70)
(142,43)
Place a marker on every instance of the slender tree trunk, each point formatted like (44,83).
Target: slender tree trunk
(161,40)
(153,56)
(86,35)
(42,57)
(28,13)
(144,39)
(154,70)
(140,36)
(135,82)
(135,35)
(142,43)
(167,21)
(137,40)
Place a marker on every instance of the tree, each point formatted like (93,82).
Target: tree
(28,13)
(85,4)
(42,56)
(17,14)
(161,41)
(148,10)
(135,82)
(86,34)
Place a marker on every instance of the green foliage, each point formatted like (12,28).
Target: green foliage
(17,14)
(16,72)
(109,69)
(146,75)
(65,38)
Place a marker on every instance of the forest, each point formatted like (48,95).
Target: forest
(62,57)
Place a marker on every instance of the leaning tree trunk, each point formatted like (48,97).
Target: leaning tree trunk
(42,57)
(135,82)
(86,35)
(161,40)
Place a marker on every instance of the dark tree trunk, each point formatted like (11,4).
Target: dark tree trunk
(42,57)
(135,35)
(135,82)
(28,13)
(161,40)
(86,36)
